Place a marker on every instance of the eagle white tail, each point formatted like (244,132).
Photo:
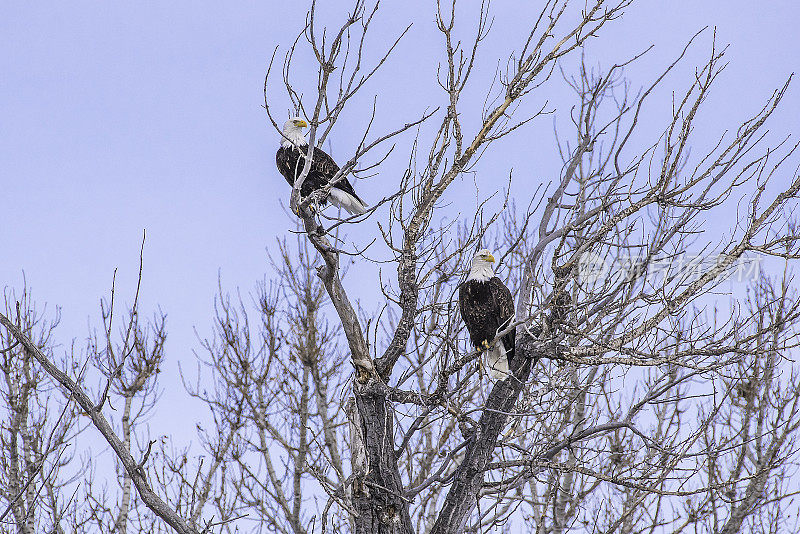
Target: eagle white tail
(346,201)
(497,361)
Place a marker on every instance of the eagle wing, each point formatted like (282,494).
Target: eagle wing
(287,160)
(474,313)
(291,161)
(504,306)
(324,165)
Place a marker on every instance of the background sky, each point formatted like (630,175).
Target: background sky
(121,116)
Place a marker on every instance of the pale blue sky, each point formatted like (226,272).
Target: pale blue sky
(119,116)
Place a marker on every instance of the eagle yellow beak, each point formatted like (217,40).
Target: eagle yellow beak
(489,258)
(301,123)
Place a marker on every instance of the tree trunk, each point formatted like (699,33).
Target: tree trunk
(463,495)
(377,489)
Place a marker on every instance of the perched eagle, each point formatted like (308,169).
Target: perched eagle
(291,158)
(487,307)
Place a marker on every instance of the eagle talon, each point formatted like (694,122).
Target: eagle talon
(485,345)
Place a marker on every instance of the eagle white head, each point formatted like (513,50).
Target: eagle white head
(293,132)
(482,268)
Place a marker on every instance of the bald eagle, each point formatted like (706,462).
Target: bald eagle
(487,307)
(291,158)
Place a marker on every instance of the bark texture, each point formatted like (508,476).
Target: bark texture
(378,496)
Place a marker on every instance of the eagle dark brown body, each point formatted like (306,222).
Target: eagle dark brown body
(487,308)
(291,160)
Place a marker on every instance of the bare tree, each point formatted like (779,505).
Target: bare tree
(639,401)
(38,463)
(129,368)
(636,208)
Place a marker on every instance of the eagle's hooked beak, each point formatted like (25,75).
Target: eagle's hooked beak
(301,123)
(489,258)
